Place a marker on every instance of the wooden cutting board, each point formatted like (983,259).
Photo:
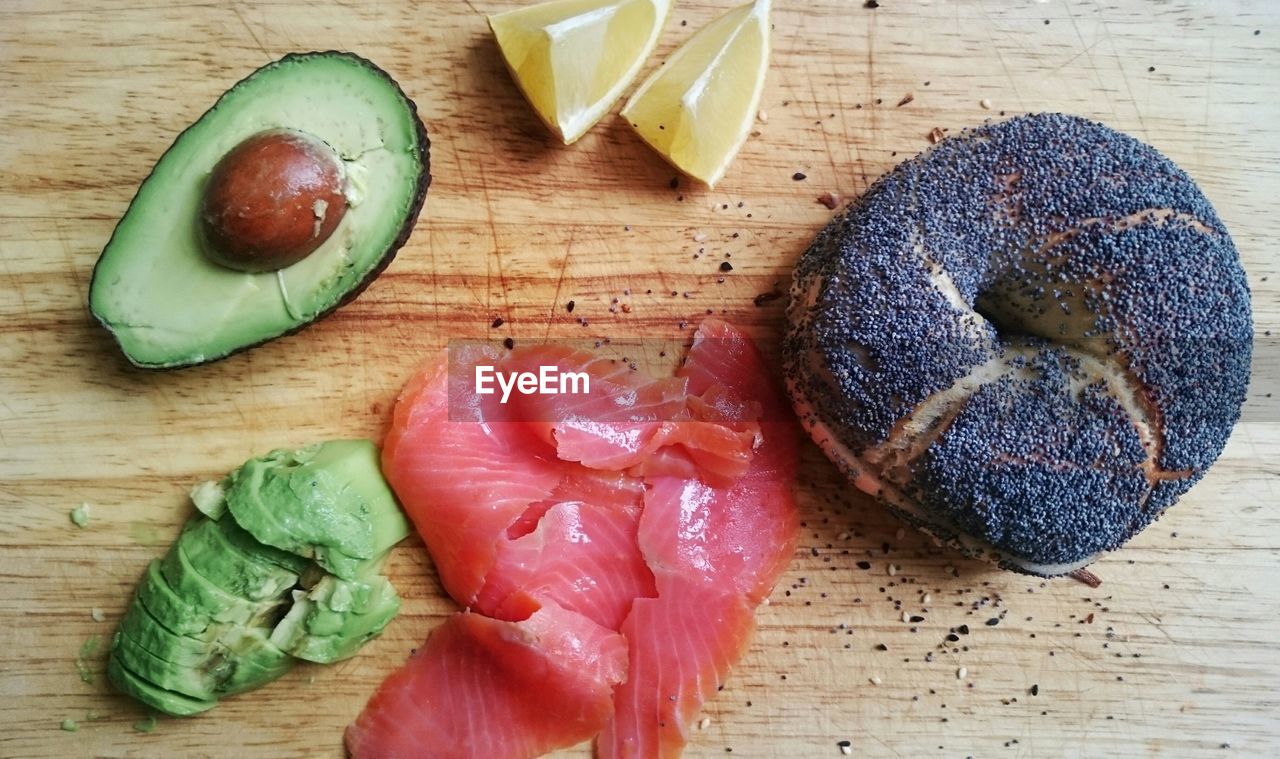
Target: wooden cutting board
(1175,655)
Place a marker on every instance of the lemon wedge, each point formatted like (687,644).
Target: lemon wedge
(573,58)
(696,109)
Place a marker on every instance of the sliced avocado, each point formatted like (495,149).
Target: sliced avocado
(144,630)
(327,502)
(212,600)
(256,660)
(235,659)
(196,682)
(209,498)
(160,294)
(173,611)
(167,701)
(335,618)
(252,584)
(226,556)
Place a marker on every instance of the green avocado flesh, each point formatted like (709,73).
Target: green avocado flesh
(333,620)
(326,502)
(153,695)
(224,611)
(162,297)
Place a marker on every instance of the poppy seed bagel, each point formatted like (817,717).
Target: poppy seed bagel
(1028,341)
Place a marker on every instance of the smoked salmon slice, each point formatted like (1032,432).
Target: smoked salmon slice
(485,687)
(611,545)
(462,480)
(680,647)
(580,556)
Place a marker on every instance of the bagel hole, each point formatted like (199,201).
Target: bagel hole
(863,356)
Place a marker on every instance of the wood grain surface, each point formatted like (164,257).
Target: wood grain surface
(1175,655)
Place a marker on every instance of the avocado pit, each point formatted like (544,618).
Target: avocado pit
(272,200)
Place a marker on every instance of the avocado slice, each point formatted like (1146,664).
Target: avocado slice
(176,613)
(164,299)
(231,659)
(256,660)
(167,701)
(211,600)
(332,620)
(326,502)
(196,682)
(144,630)
(225,555)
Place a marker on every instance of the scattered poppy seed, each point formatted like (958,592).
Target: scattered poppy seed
(509,343)
(498,322)
(799,176)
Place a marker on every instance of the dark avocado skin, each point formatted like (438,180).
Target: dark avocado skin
(406,229)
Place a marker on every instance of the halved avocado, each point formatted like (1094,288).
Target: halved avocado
(160,293)
(167,701)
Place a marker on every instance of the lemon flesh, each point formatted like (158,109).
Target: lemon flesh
(573,58)
(696,109)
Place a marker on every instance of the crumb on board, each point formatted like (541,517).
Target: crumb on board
(145,725)
(70,725)
(87,649)
(80,515)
